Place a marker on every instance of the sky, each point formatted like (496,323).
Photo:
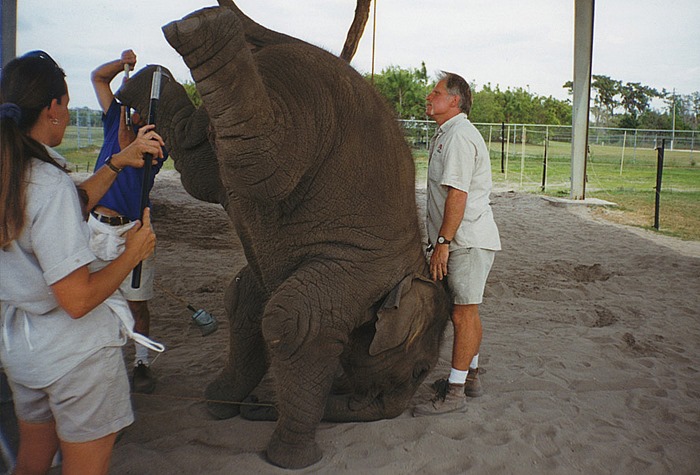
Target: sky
(505,43)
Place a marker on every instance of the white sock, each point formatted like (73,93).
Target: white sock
(475,362)
(141,354)
(457,376)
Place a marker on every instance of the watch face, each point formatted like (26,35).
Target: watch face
(441,240)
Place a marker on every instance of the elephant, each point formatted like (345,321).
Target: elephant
(335,301)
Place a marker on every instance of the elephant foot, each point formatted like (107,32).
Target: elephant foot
(253,409)
(221,402)
(293,456)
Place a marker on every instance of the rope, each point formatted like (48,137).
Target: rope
(198,399)
(179,299)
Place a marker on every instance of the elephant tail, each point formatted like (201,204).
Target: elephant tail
(352,40)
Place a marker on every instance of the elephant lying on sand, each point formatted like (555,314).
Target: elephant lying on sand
(315,174)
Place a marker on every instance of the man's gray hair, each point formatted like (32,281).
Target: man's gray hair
(457,86)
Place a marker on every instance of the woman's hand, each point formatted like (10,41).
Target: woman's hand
(140,239)
(81,291)
(147,142)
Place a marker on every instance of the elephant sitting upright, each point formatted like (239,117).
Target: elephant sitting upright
(313,170)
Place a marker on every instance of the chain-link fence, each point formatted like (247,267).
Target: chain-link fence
(533,157)
(528,157)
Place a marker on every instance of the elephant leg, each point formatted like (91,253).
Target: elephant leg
(306,327)
(293,442)
(247,361)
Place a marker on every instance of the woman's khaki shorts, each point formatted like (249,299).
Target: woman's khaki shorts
(467,271)
(88,403)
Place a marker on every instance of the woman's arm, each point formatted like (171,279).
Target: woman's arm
(81,291)
(147,142)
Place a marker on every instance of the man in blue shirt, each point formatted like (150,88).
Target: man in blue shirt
(121,206)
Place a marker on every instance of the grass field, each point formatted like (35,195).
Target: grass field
(628,180)
(626,177)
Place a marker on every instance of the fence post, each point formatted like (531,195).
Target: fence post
(522,155)
(507,153)
(77,127)
(659,172)
(622,160)
(503,144)
(544,160)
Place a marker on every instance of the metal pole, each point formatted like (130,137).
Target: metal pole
(374,36)
(544,160)
(522,156)
(503,145)
(622,159)
(507,153)
(77,127)
(8,31)
(146,170)
(673,120)
(659,172)
(583,53)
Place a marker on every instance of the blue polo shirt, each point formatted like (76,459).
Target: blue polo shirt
(124,196)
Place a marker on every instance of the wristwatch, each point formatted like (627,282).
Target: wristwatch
(442,240)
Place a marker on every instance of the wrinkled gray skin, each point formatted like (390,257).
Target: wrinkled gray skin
(315,174)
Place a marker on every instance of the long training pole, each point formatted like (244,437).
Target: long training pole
(127,112)
(146,185)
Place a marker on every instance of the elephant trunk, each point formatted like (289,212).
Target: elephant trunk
(367,408)
(212,43)
(184,130)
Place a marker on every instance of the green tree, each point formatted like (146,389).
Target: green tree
(405,89)
(486,106)
(636,98)
(192,93)
(606,91)
(553,112)
(654,120)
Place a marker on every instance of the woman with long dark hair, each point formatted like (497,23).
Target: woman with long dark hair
(61,325)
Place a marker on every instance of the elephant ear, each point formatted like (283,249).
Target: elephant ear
(399,318)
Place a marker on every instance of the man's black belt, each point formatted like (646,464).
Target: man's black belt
(111,220)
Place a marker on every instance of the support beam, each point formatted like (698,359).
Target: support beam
(8,31)
(583,54)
